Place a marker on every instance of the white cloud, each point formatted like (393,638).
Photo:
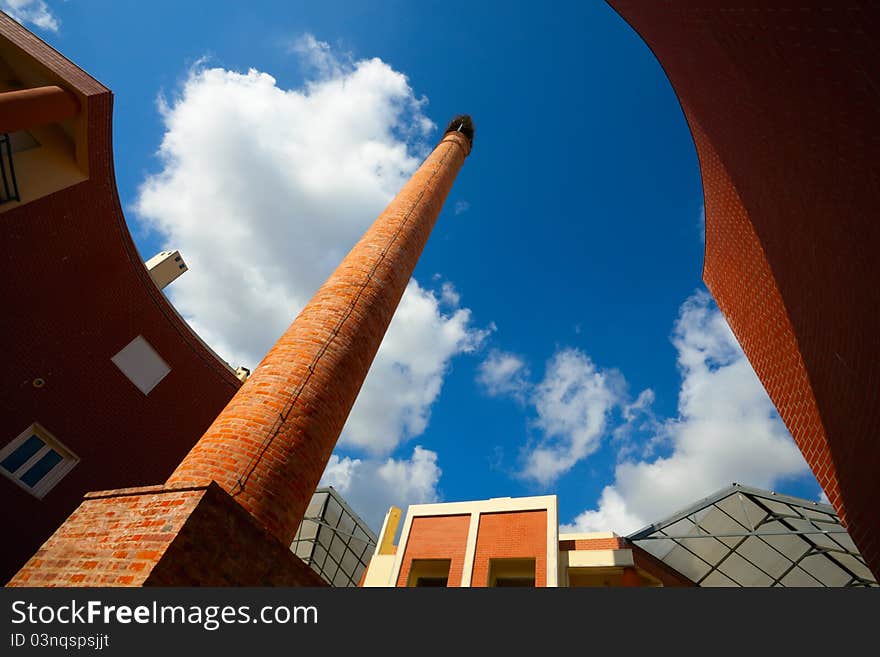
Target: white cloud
(35,12)
(573,403)
(504,373)
(727,430)
(265,189)
(408,372)
(371,486)
(461,207)
(449,295)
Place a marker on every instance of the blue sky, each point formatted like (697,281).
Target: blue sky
(558,338)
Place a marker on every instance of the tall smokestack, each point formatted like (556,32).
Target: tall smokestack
(228,513)
(270,445)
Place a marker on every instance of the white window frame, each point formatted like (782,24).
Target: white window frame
(50,442)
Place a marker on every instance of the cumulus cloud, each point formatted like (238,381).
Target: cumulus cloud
(408,372)
(265,189)
(374,485)
(504,373)
(35,12)
(573,404)
(726,430)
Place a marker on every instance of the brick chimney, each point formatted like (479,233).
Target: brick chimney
(228,513)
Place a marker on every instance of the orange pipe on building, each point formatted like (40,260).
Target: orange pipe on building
(29,108)
(268,448)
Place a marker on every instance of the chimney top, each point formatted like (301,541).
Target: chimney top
(463,124)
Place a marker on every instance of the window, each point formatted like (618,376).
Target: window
(512,572)
(141,364)
(36,461)
(429,572)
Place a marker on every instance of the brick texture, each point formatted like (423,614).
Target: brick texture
(782,103)
(75,292)
(271,443)
(436,537)
(613,543)
(157,536)
(511,535)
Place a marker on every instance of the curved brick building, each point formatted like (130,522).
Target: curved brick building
(104,384)
(782,101)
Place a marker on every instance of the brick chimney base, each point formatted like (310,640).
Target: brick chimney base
(163,536)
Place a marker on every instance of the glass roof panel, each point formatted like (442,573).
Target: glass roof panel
(846,542)
(315,505)
(330,569)
(304,550)
(798,577)
(779,507)
(349,562)
(740,570)
(342,578)
(687,563)
(858,568)
(346,524)
(825,570)
(332,513)
(325,536)
(715,521)
(743,510)
(659,547)
(718,579)
(764,556)
(764,548)
(318,556)
(709,549)
(683,527)
(814,534)
(791,545)
(337,547)
(307,530)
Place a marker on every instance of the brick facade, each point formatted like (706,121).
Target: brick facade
(511,535)
(781,101)
(75,291)
(436,537)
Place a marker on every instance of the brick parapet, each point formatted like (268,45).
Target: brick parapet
(163,536)
(612,543)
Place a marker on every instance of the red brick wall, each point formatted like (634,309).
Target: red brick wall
(156,536)
(511,535)
(75,291)
(114,538)
(436,537)
(271,443)
(781,103)
(613,543)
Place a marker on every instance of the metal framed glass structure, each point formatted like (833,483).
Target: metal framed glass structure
(743,536)
(334,540)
